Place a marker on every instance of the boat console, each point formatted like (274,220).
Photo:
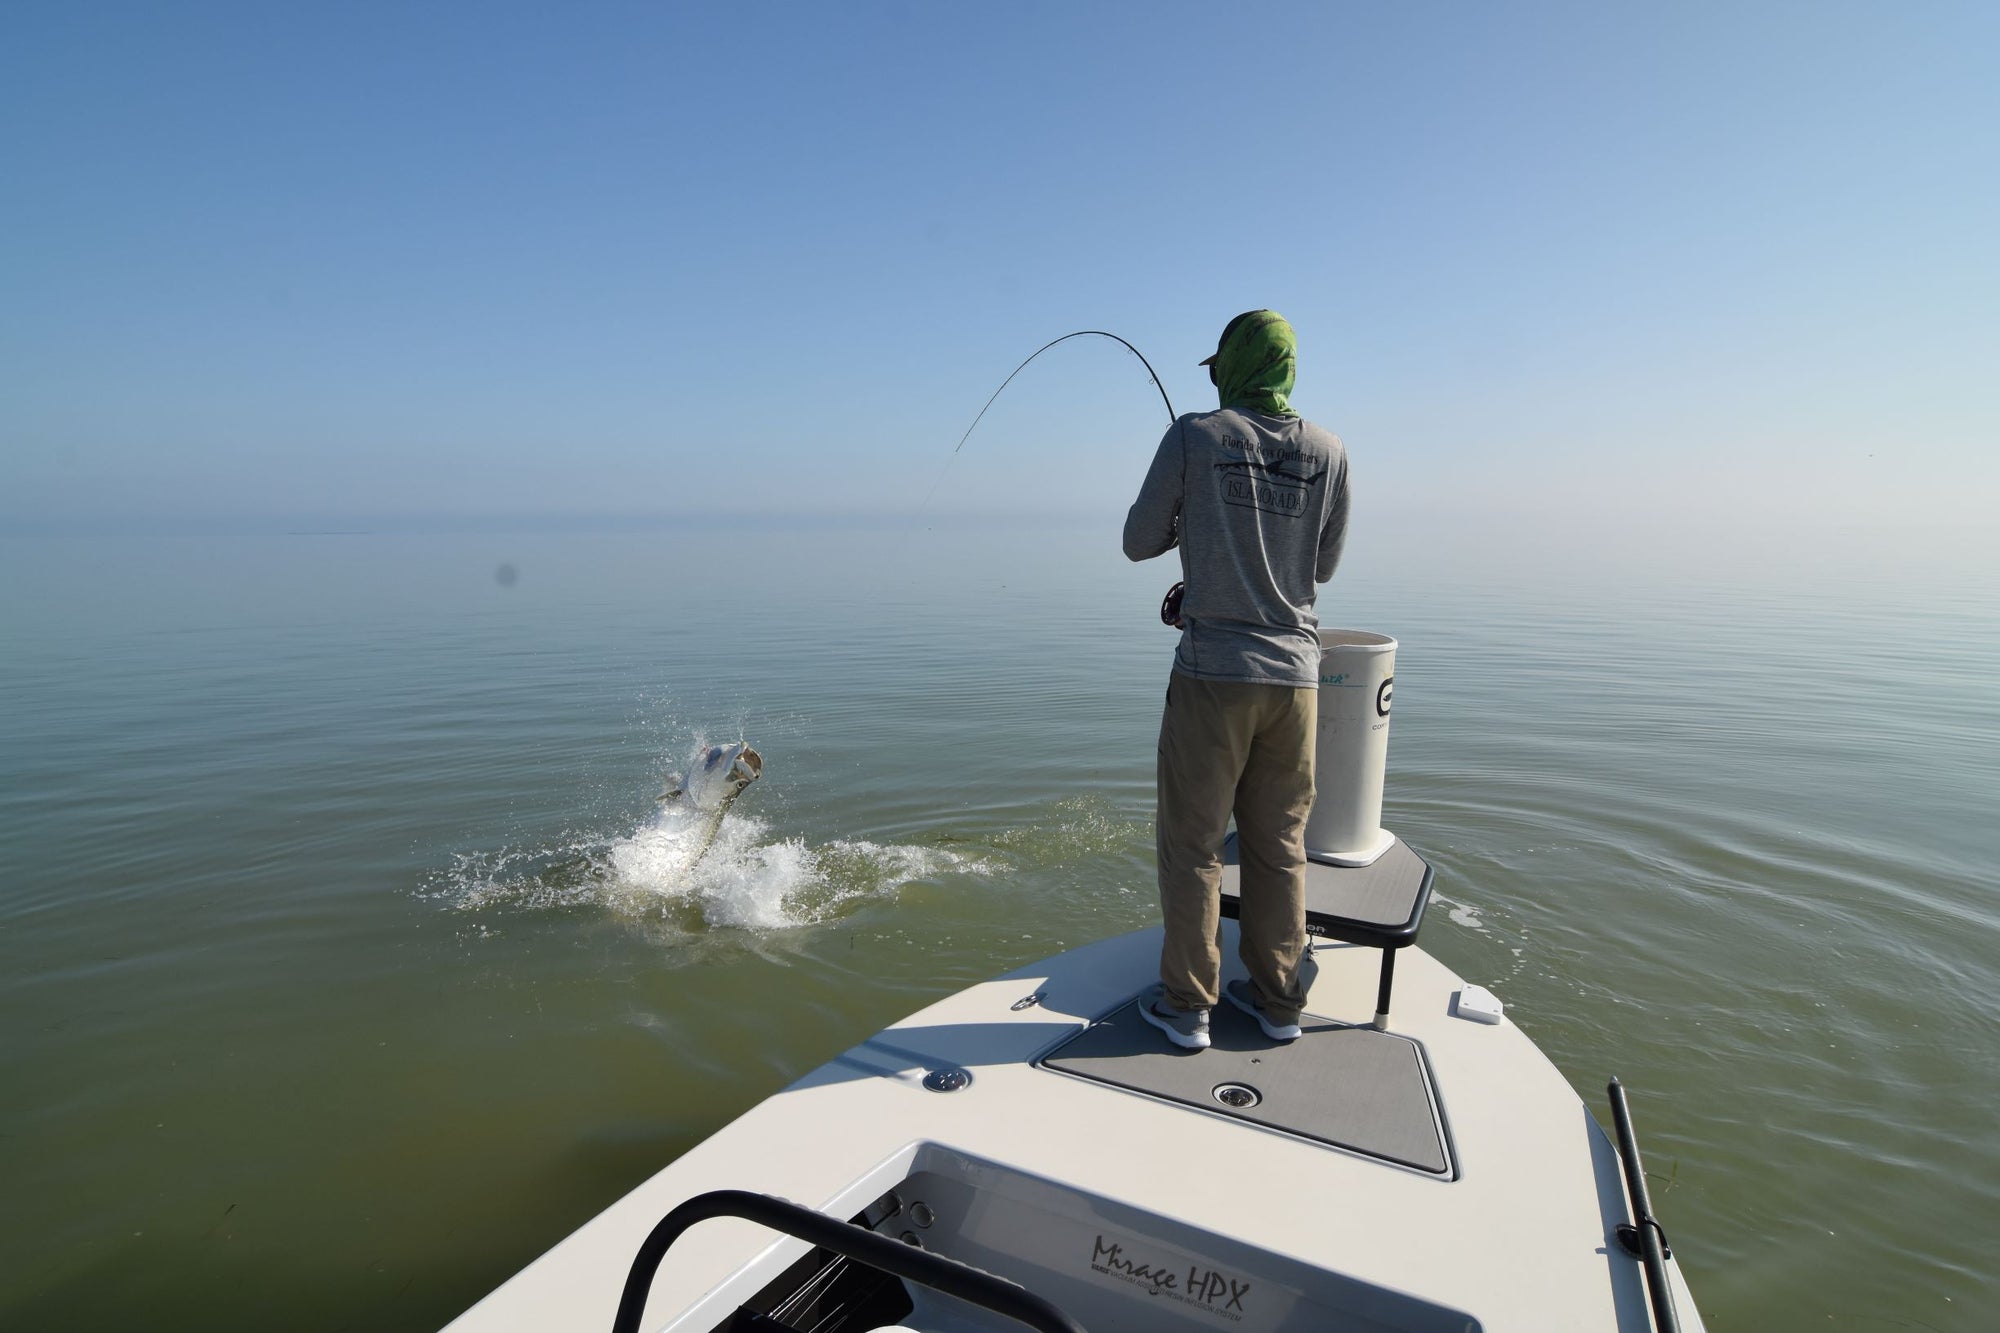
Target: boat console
(948,1223)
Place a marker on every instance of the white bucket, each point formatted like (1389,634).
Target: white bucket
(1356,672)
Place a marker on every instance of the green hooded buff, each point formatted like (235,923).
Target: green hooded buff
(1255,365)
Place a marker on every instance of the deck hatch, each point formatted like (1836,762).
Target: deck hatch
(1355,1088)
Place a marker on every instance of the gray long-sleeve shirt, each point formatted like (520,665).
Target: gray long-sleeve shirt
(1258,506)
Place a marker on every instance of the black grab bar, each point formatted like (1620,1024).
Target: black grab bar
(1646,1237)
(893,1257)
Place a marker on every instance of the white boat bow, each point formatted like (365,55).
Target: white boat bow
(1440,1176)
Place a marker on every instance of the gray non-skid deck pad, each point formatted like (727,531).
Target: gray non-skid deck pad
(1382,895)
(1352,1087)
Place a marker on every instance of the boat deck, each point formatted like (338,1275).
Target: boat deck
(1344,1086)
(1067,1141)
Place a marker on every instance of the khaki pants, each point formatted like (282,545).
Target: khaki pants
(1248,750)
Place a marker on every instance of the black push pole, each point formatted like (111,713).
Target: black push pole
(1651,1239)
(844,1238)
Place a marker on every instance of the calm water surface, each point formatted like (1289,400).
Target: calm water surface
(345,966)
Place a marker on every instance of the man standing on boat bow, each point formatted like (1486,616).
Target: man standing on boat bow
(1256,498)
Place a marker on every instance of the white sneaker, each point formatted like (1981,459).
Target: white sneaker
(1186,1028)
(1244,996)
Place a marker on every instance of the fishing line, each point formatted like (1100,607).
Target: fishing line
(1080,333)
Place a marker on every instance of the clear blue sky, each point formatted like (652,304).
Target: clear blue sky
(350,259)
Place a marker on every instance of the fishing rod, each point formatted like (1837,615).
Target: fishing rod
(1080,333)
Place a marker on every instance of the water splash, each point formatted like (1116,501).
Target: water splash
(668,869)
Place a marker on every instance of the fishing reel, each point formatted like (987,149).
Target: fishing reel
(1170,608)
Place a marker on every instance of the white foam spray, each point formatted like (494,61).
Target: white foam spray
(669,867)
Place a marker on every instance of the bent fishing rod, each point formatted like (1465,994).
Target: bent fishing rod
(1080,333)
(1170,609)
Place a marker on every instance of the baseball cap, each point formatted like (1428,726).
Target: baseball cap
(1228,329)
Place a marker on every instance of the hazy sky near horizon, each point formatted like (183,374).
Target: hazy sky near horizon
(1736,262)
